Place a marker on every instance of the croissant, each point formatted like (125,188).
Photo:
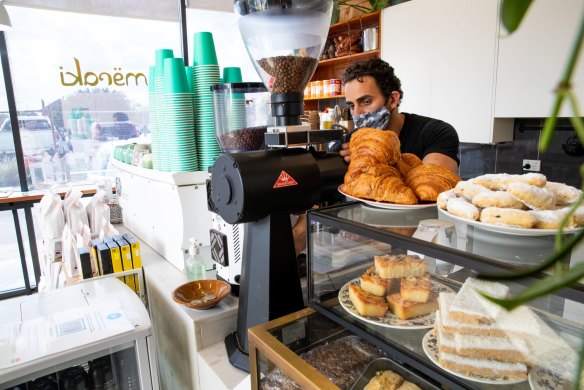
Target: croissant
(407,162)
(384,187)
(429,180)
(377,146)
(358,168)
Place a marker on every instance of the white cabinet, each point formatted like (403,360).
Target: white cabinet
(532,60)
(406,45)
(444,52)
(457,64)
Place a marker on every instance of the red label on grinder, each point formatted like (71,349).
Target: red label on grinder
(285,180)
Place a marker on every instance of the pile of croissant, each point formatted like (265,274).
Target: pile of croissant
(379,171)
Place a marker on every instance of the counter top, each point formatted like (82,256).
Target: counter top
(191,352)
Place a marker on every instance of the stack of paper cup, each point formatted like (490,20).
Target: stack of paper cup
(179,150)
(159,160)
(205,74)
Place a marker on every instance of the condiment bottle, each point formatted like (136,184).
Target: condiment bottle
(195,264)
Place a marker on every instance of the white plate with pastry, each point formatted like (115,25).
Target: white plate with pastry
(505,229)
(386,205)
(430,346)
(390,320)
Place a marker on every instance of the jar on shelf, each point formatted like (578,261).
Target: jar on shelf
(326,88)
(334,87)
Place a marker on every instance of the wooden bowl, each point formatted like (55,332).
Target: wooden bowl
(201,294)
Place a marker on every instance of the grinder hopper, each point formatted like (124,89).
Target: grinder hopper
(284,39)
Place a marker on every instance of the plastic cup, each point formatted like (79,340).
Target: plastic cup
(175,78)
(232,75)
(204,49)
(161,55)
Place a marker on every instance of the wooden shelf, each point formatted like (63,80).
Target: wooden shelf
(357,23)
(351,57)
(335,67)
(325,97)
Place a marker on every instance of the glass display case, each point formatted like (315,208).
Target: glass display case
(93,335)
(533,346)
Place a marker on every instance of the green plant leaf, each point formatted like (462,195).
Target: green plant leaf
(543,287)
(512,13)
(377,5)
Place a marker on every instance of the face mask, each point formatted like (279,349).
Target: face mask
(377,119)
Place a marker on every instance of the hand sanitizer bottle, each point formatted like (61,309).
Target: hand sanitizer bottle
(195,264)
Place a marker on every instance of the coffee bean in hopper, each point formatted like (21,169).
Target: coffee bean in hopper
(249,138)
(290,73)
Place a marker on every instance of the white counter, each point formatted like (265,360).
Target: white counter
(191,351)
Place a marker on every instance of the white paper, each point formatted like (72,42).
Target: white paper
(24,341)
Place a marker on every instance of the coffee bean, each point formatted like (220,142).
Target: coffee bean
(289,73)
(249,138)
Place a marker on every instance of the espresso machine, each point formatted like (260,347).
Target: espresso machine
(261,188)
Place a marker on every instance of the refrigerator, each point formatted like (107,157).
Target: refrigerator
(93,335)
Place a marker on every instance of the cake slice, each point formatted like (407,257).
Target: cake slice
(409,386)
(367,305)
(374,284)
(415,289)
(384,380)
(399,266)
(482,367)
(472,308)
(408,309)
(503,349)
(520,322)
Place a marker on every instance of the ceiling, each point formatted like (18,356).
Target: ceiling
(144,9)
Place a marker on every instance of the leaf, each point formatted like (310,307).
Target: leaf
(377,5)
(543,287)
(512,13)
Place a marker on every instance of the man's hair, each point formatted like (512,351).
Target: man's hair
(380,70)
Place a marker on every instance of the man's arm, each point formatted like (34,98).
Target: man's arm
(442,160)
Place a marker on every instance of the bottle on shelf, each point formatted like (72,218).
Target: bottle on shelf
(195,264)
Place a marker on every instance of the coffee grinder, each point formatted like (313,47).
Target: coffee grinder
(242,115)
(262,188)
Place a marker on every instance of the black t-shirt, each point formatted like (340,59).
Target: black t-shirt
(421,136)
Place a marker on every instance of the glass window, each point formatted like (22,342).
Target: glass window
(8,169)
(12,275)
(228,43)
(80,84)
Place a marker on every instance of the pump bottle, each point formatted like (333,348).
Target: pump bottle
(195,264)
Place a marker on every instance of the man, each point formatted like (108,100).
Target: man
(373,94)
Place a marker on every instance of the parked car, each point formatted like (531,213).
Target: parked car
(36,133)
(120,128)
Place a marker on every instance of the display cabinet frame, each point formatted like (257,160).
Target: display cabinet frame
(397,352)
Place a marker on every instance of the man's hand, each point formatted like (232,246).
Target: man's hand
(345,152)
(299,234)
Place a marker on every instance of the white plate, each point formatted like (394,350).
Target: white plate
(430,346)
(543,379)
(390,320)
(508,229)
(386,205)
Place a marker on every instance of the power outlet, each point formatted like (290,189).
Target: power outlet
(532,165)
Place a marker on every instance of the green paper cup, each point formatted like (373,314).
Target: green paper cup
(232,75)
(175,78)
(204,49)
(151,75)
(190,81)
(161,55)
